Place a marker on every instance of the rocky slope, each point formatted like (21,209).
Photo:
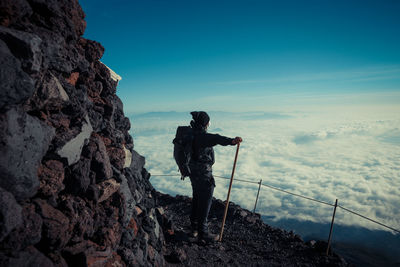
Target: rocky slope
(72,189)
(246,239)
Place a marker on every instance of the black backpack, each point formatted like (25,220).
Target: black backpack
(183,149)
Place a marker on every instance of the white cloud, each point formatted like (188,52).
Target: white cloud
(352,156)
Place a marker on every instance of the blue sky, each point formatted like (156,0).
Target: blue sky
(249,55)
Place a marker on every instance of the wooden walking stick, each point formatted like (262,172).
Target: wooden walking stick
(229,193)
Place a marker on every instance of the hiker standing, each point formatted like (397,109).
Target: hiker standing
(201,176)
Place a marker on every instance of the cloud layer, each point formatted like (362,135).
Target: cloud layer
(351,155)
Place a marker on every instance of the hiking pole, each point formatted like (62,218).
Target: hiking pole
(229,193)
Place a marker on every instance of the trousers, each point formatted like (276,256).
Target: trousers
(203,188)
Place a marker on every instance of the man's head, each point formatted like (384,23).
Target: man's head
(200,119)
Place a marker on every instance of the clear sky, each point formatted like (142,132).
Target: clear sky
(248,55)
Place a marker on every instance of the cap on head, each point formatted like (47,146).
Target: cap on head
(200,118)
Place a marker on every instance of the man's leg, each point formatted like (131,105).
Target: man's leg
(195,207)
(205,201)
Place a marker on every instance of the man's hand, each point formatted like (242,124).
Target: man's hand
(237,140)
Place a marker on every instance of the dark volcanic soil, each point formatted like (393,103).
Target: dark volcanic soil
(246,239)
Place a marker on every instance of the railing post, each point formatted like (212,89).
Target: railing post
(259,187)
(330,232)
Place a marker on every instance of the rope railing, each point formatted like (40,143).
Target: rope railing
(278,189)
(298,195)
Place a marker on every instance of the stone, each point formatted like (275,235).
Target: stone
(16,85)
(10,213)
(129,203)
(160,211)
(128,158)
(115,77)
(13,11)
(100,259)
(25,140)
(107,188)
(78,178)
(117,156)
(51,177)
(72,149)
(243,213)
(73,78)
(93,50)
(24,46)
(26,258)
(51,95)
(133,225)
(138,210)
(101,162)
(28,233)
(80,215)
(138,161)
(67,17)
(56,232)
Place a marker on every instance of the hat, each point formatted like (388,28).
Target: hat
(200,117)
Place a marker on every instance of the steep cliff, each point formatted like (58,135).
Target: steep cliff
(72,189)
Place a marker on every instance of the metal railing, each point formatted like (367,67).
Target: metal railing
(260,183)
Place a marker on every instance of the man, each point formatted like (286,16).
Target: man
(201,173)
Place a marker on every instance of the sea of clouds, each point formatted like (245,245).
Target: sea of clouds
(349,154)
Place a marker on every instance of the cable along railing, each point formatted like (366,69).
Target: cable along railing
(335,206)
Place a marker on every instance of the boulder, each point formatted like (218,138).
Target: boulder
(26,234)
(56,231)
(16,85)
(24,46)
(129,203)
(10,213)
(25,141)
(50,95)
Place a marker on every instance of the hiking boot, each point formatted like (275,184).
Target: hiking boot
(194,233)
(193,230)
(208,237)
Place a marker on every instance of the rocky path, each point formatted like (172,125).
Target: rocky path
(246,240)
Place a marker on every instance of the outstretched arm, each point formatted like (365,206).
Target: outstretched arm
(216,139)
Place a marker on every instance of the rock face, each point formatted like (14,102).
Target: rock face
(73,192)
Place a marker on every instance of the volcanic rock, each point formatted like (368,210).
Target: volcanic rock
(24,142)
(10,213)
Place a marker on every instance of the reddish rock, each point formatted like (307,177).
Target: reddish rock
(65,122)
(138,210)
(133,225)
(56,231)
(93,50)
(100,160)
(73,78)
(107,188)
(104,259)
(117,156)
(51,177)
(80,216)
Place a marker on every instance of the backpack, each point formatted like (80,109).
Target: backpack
(183,149)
